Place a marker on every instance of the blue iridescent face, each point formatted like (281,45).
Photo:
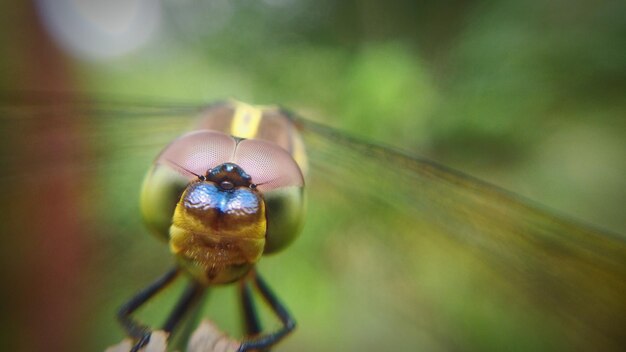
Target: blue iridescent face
(226,191)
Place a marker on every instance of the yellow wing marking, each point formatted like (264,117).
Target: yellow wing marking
(246,121)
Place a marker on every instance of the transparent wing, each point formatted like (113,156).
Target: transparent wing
(471,265)
(73,246)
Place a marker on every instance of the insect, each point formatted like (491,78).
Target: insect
(221,201)
(396,252)
(391,241)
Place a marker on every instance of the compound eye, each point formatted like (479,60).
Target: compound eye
(270,166)
(194,153)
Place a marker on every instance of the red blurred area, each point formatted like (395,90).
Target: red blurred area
(44,232)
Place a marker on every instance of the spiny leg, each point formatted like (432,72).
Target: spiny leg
(268,340)
(252,325)
(189,324)
(187,300)
(190,297)
(133,328)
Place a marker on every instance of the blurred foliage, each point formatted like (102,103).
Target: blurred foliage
(527,95)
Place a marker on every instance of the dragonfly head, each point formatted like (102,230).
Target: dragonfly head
(222,201)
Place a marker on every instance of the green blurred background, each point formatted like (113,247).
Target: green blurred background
(526,95)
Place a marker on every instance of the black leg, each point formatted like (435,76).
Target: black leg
(188,324)
(252,325)
(191,296)
(265,341)
(134,329)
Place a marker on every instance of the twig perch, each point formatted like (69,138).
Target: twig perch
(206,338)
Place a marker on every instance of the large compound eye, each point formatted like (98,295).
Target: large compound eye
(269,166)
(194,153)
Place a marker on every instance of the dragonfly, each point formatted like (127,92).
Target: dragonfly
(396,252)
